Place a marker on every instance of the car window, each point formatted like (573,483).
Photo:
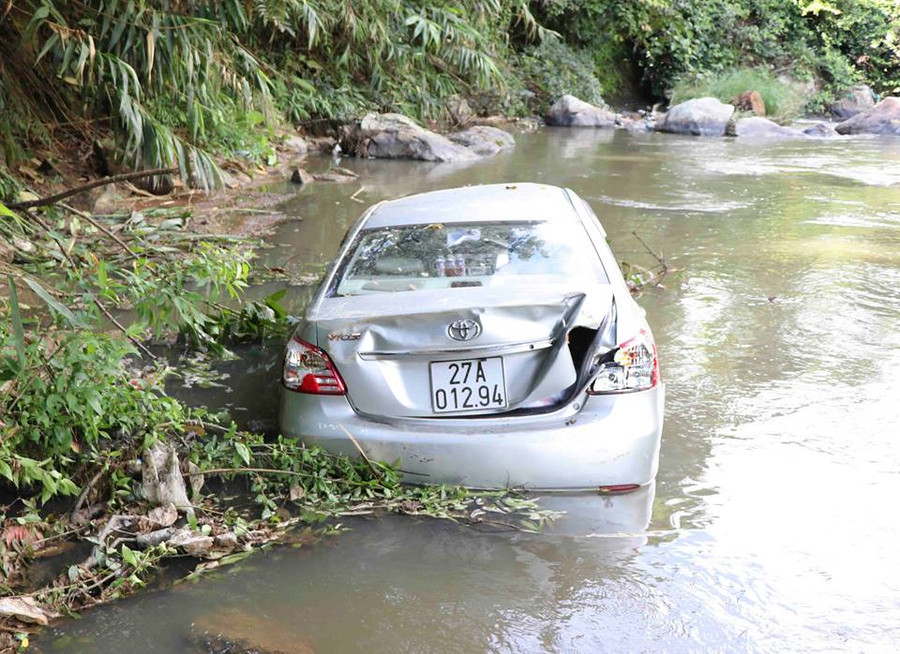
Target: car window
(435,256)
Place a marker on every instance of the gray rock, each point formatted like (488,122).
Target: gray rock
(821,130)
(394,136)
(569,111)
(757,127)
(296,145)
(883,118)
(484,140)
(300,176)
(700,117)
(858,98)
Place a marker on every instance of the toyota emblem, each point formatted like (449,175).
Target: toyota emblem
(463,330)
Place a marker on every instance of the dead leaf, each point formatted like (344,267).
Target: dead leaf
(25,609)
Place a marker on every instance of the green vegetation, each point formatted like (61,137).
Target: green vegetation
(836,42)
(784,99)
(177,81)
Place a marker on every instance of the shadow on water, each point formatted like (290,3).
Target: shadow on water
(771,526)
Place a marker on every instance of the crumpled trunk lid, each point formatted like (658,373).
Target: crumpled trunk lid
(397,354)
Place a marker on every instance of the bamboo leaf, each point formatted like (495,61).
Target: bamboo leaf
(55,306)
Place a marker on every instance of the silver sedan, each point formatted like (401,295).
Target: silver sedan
(481,336)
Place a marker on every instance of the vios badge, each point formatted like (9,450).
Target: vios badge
(463,330)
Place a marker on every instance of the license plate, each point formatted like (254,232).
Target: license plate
(468,385)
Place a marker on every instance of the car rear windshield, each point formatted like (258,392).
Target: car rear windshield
(458,255)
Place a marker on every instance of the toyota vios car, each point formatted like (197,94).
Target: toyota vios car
(481,336)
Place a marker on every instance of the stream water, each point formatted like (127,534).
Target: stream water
(773,525)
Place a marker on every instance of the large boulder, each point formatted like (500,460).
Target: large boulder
(883,118)
(700,117)
(858,98)
(394,136)
(484,140)
(757,127)
(569,111)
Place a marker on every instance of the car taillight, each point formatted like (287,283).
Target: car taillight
(307,369)
(633,366)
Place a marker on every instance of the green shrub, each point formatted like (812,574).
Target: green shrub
(553,69)
(783,100)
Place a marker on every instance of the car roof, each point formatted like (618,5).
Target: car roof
(482,203)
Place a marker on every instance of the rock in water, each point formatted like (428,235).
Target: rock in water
(700,117)
(394,136)
(883,118)
(484,140)
(858,98)
(569,111)
(300,176)
(162,482)
(821,130)
(761,128)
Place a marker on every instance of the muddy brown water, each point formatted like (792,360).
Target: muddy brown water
(773,523)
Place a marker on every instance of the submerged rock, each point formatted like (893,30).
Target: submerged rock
(232,631)
(484,140)
(859,98)
(394,136)
(569,111)
(700,117)
(821,130)
(761,128)
(883,118)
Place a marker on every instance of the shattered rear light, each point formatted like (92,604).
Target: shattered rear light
(633,366)
(307,369)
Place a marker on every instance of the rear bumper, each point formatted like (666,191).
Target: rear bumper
(613,440)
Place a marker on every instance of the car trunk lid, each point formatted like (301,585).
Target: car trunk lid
(395,360)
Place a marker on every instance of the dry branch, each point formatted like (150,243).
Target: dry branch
(62,195)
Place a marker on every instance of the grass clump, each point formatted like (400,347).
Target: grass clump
(784,101)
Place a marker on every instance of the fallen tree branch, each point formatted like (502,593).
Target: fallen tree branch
(662,262)
(88,217)
(365,457)
(53,199)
